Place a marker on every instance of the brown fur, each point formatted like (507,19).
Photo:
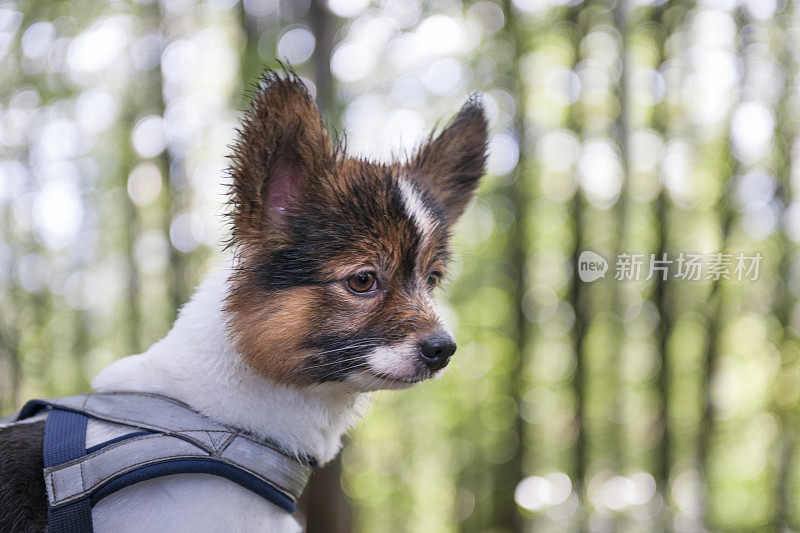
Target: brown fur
(450,165)
(282,122)
(306,217)
(269,329)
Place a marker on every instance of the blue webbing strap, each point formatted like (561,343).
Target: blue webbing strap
(65,440)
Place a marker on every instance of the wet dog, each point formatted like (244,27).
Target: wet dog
(329,295)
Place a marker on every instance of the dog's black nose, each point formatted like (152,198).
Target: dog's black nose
(435,351)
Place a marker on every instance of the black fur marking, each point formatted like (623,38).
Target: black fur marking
(317,240)
(290,267)
(23,500)
(307,216)
(339,356)
(364,216)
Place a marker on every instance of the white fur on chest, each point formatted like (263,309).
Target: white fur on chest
(197,364)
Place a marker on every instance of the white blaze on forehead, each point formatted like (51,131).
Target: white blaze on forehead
(416,209)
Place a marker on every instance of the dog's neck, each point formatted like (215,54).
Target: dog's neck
(197,364)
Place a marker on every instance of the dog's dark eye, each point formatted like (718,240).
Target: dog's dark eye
(433,279)
(362,282)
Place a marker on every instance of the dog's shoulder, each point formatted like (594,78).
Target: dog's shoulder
(23,504)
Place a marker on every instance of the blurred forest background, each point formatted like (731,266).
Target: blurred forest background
(637,125)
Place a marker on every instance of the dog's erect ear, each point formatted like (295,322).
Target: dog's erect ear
(450,165)
(283,146)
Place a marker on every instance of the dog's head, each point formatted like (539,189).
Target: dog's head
(337,257)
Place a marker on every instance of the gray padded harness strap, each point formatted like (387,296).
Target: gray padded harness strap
(82,476)
(182,433)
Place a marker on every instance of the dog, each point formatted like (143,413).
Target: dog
(328,296)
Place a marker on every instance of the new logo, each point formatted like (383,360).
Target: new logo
(591,266)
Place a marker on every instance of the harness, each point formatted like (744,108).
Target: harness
(155,436)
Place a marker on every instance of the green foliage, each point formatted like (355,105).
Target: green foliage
(618,127)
